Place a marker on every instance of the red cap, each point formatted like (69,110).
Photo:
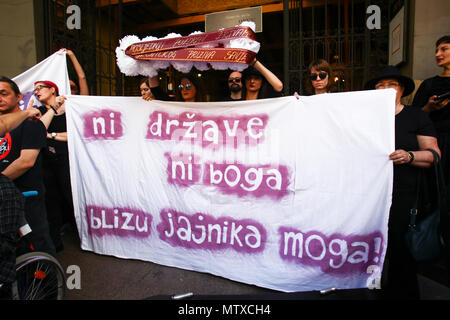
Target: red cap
(50,84)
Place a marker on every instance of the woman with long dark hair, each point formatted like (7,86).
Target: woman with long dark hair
(260,82)
(190,89)
(144,88)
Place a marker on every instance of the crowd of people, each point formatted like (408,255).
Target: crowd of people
(34,153)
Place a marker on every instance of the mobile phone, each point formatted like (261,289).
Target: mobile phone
(443,96)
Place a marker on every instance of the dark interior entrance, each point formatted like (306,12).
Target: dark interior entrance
(294,33)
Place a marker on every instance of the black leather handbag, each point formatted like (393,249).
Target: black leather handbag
(423,237)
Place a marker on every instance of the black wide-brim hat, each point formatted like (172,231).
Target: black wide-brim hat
(251,71)
(391,72)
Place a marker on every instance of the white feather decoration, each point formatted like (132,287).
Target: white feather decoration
(126,64)
(132,67)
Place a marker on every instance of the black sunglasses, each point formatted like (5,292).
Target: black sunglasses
(237,80)
(188,87)
(322,75)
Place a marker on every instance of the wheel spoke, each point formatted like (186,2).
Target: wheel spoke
(40,277)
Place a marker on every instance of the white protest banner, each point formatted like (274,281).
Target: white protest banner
(53,68)
(287,194)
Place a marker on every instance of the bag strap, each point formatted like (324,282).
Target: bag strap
(439,174)
(442,194)
(414,210)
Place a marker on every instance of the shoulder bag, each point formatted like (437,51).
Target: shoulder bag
(423,237)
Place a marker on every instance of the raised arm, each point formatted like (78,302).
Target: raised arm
(82,82)
(11,120)
(276,83)
(48,116)
(153,81)
(156,89)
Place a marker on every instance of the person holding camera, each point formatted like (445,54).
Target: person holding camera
(432,98)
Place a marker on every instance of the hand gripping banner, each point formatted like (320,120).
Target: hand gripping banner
(231,48)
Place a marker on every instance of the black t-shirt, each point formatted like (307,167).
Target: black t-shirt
(228,98)
(409,123)
(430,87)
(267,91)
(28,135)
(58,124)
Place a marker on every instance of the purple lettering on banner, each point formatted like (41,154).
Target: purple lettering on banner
(122,222)
(103,125)
(336,254)
(214,132)
(242,180)
(182,171)
(203,231)
(237,179)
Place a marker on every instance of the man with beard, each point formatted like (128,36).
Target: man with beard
(235,86)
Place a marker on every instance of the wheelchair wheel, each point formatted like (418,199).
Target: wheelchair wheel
(39,276)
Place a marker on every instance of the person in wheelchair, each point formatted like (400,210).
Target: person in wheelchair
(11,214)
(20,161)
(11,202)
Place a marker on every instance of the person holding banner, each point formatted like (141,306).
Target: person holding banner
(155,89)
(146,92)
(82,88)
(319,77)
(21,162)
(56,159)
(189,90)
(414,134)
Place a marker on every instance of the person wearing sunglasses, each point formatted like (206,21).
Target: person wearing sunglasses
(190,90)
(234,87)
(319,77)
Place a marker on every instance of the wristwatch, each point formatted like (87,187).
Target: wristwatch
(411,157)
(53,135)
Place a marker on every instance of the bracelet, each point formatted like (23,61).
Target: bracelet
(411,154)
(53,108)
